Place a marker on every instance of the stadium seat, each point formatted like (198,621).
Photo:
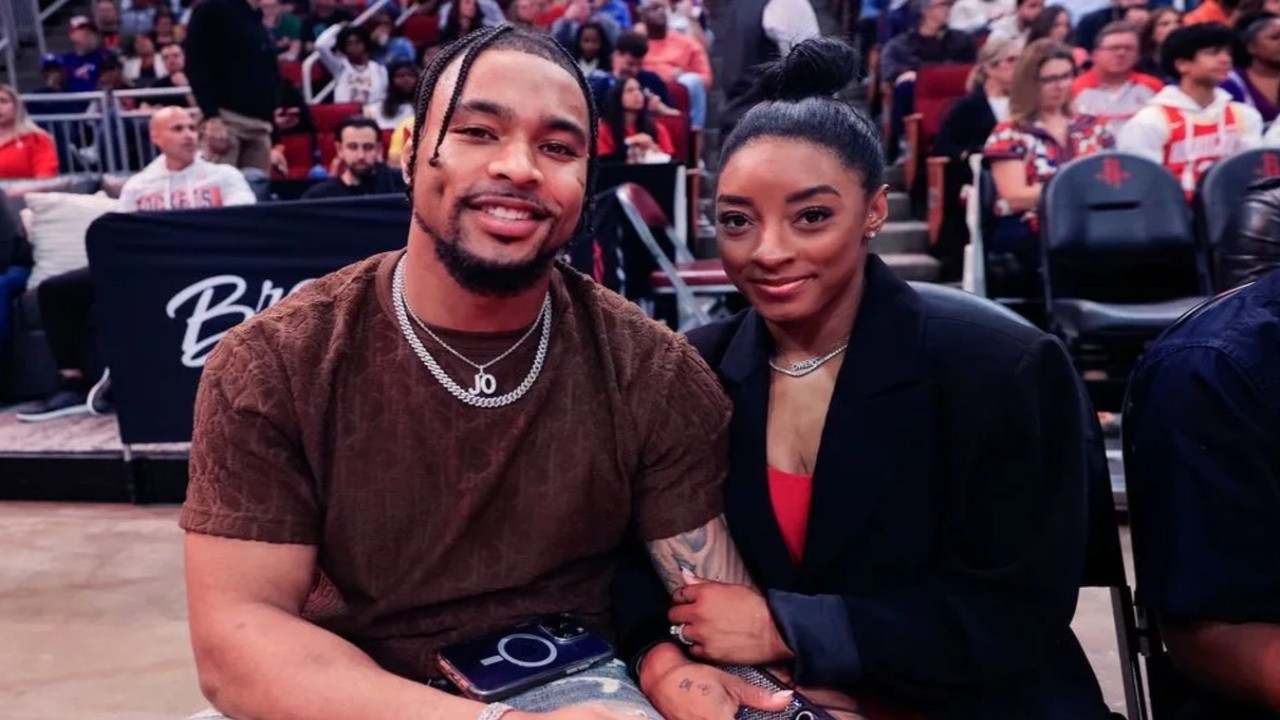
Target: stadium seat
(299,152)
(325,142)
(677,272)
(1120,262)
(292,71)
(679,95)
(1223,187)
(421,30)
(384,137)
(678,128)
(327,117)
(937,86)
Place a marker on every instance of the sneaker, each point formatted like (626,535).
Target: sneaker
(99,399)
(63,403)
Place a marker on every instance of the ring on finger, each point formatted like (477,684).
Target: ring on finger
(677,632)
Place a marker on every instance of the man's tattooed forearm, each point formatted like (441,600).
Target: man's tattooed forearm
(707,552)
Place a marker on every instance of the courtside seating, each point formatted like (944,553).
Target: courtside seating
(327,116)
(1223,188)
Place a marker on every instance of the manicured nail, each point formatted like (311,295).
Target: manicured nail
(784,695)
(688,575)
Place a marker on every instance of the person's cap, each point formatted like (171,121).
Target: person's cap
(50,61)
(81,22)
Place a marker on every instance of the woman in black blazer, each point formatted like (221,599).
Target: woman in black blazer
(963,132)
(906,484)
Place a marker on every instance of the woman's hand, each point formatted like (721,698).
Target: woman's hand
(683,690)
(728,623)
(641,140)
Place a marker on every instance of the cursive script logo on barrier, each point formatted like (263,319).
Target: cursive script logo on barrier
(216,300)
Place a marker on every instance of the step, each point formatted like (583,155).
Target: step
(910,236)
(899,206)
(912,266)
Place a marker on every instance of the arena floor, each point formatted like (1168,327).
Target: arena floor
(93,617)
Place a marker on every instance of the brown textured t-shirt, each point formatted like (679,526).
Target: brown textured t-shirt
(435,521)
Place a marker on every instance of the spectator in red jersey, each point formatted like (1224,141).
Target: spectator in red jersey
(1113,90)
(26,151)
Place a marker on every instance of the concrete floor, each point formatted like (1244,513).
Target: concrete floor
(93,616)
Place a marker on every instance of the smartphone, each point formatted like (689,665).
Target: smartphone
(801,707)
(509,662)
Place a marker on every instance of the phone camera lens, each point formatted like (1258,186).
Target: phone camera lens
(803,715)
(564,629)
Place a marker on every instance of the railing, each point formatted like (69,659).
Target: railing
(29,22)
(9,40)
(95,131)
(132,128)
(311,97)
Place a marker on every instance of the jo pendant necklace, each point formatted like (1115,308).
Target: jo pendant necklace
(484,384)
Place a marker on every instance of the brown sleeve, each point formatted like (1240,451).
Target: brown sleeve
(249,479)
(684,419)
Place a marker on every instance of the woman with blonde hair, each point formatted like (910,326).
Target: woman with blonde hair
(1041,134)
(963,132)
(26,151)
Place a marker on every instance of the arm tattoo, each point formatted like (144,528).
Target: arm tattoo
(707,552)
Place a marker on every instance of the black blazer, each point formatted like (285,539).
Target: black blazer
(966,127)
(946,539)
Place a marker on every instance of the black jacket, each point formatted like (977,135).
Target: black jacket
(966,127)
(383,181)
(231,60)
(911,51)
(1250,247)
(947,534)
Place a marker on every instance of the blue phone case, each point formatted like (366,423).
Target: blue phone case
(506,663)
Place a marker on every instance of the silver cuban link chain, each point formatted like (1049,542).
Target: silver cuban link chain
(479,395)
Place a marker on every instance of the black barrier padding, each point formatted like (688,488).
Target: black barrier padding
(170,284)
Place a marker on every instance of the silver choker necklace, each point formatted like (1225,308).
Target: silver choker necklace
(804,367)
(485,384)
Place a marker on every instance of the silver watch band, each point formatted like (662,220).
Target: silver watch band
(494,711)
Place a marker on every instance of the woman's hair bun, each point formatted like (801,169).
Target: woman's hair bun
(817,67)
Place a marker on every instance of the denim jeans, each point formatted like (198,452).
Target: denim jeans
(608,684)
(697,98)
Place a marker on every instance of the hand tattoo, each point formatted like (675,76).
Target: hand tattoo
(686,684)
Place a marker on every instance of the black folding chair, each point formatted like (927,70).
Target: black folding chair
(1120,262)
(1221,191)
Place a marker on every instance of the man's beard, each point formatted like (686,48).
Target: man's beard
(481,276)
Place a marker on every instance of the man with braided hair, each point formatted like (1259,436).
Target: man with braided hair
(452,439)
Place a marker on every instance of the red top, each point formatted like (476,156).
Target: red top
(791,495)
(604,139)
(28,156)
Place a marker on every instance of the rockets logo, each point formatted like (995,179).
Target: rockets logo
(1113,173)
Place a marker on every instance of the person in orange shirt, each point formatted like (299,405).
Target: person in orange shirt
(1211,11)
(26,151)
(677,58)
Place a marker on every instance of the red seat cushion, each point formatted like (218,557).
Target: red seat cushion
(937,86)
(679,96)
(421,30)
(678,128)
(299,151)
(327,117)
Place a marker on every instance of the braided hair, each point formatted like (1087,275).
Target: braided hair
(502,37)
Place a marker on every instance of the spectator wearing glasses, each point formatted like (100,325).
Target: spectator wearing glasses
(1257,83)
(1017,26)
(963,132)
(361,170)
(1090,25)
(1113,90)
(1191,125)
(930,43)
(357,78)
(1042,133)
(1159,24)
